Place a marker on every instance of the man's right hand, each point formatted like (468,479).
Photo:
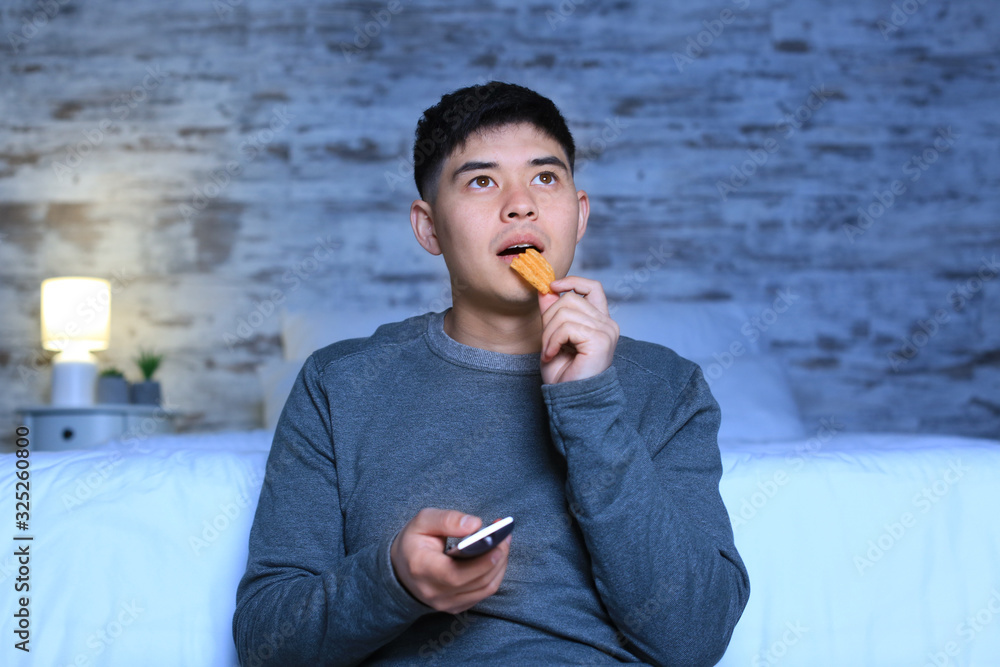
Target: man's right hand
(439,581)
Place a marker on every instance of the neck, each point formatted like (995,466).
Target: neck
(515,332)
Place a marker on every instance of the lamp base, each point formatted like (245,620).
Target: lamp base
(73,381)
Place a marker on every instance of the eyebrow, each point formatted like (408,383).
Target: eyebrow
(478,165)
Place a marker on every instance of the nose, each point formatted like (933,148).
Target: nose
(519,205)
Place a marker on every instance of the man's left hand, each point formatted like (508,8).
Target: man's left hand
(578,334)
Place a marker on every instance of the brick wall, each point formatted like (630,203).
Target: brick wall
(198,153)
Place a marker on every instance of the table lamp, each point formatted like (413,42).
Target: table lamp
(76,320)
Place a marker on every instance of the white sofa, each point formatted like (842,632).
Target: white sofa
(862,549)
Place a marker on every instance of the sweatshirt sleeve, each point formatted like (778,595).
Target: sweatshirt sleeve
(652,517)
(303,600)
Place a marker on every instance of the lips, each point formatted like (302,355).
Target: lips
(515,245)
(507,259)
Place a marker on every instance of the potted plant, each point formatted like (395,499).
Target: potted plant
(112,387)
(147,392)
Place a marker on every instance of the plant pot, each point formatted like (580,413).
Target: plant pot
(146,393)
(112,389)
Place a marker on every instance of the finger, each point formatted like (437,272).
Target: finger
(479,569)
(591,290)
(554,330)
(545,301)
(483,578)
(461,577)
(573,308)
(555,338)
(479,585)
(499,567)
(494,584)
(583,338)
(489,559)
(477,565)
(580,335)
(445,523)
(570,303)
(577,284)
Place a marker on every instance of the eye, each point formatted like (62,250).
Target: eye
(545,178)
(481,182)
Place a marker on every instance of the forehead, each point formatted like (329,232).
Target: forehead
(514,141)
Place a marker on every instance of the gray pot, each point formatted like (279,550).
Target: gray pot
(146,393)
(112,389)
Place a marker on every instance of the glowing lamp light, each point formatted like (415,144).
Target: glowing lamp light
(76,320)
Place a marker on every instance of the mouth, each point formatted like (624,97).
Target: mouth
(514,249)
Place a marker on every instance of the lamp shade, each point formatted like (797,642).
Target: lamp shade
(76,314)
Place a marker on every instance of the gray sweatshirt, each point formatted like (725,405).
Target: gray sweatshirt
(622,548)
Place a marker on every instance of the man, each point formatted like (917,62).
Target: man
(602,448)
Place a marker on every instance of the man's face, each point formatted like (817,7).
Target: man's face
(506,186)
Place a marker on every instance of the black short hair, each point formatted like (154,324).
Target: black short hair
(446,125)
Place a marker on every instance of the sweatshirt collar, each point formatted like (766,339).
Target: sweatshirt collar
(466,355)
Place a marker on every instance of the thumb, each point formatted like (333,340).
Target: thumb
(446,523)
(546,300)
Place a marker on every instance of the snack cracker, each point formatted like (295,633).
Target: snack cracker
(535,269)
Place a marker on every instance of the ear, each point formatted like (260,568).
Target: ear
(422,222)
(581,225)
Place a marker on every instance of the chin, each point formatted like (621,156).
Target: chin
(518,302)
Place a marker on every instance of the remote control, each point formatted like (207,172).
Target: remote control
(482,540)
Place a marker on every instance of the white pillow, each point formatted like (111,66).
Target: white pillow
(277,377)
(692,330)
(755,397)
